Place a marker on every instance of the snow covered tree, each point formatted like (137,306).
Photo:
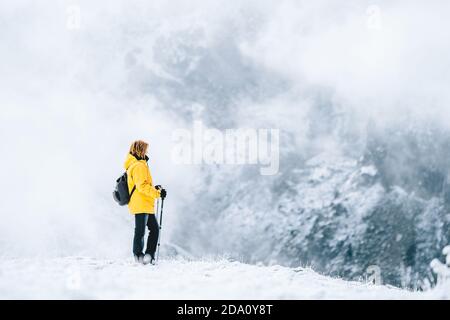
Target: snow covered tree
(442,270)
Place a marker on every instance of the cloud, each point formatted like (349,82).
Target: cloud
(73,99)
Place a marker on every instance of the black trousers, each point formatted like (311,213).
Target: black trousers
(142,220)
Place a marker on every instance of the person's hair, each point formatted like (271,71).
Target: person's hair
(139,149)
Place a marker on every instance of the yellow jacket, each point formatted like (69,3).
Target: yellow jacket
(143,198)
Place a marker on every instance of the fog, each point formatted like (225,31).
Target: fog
(76,89)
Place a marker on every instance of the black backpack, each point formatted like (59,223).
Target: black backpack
(120,193)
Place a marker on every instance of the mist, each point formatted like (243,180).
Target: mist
(338,80)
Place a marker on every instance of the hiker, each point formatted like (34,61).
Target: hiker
(142,201)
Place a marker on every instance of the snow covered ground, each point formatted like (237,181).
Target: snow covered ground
(89,278)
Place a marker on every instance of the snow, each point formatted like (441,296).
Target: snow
(229,64)
(177,278)
(369,170)
(443,273)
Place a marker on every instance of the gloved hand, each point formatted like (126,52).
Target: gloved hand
(163,193)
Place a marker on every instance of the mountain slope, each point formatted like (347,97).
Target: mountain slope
(90,278)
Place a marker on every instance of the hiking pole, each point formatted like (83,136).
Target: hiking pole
(160,227)
(157,209)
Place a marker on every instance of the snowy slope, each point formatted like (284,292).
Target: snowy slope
(364,174)
(89,278)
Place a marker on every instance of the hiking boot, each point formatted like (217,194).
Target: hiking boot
(139,259)
(148,258)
